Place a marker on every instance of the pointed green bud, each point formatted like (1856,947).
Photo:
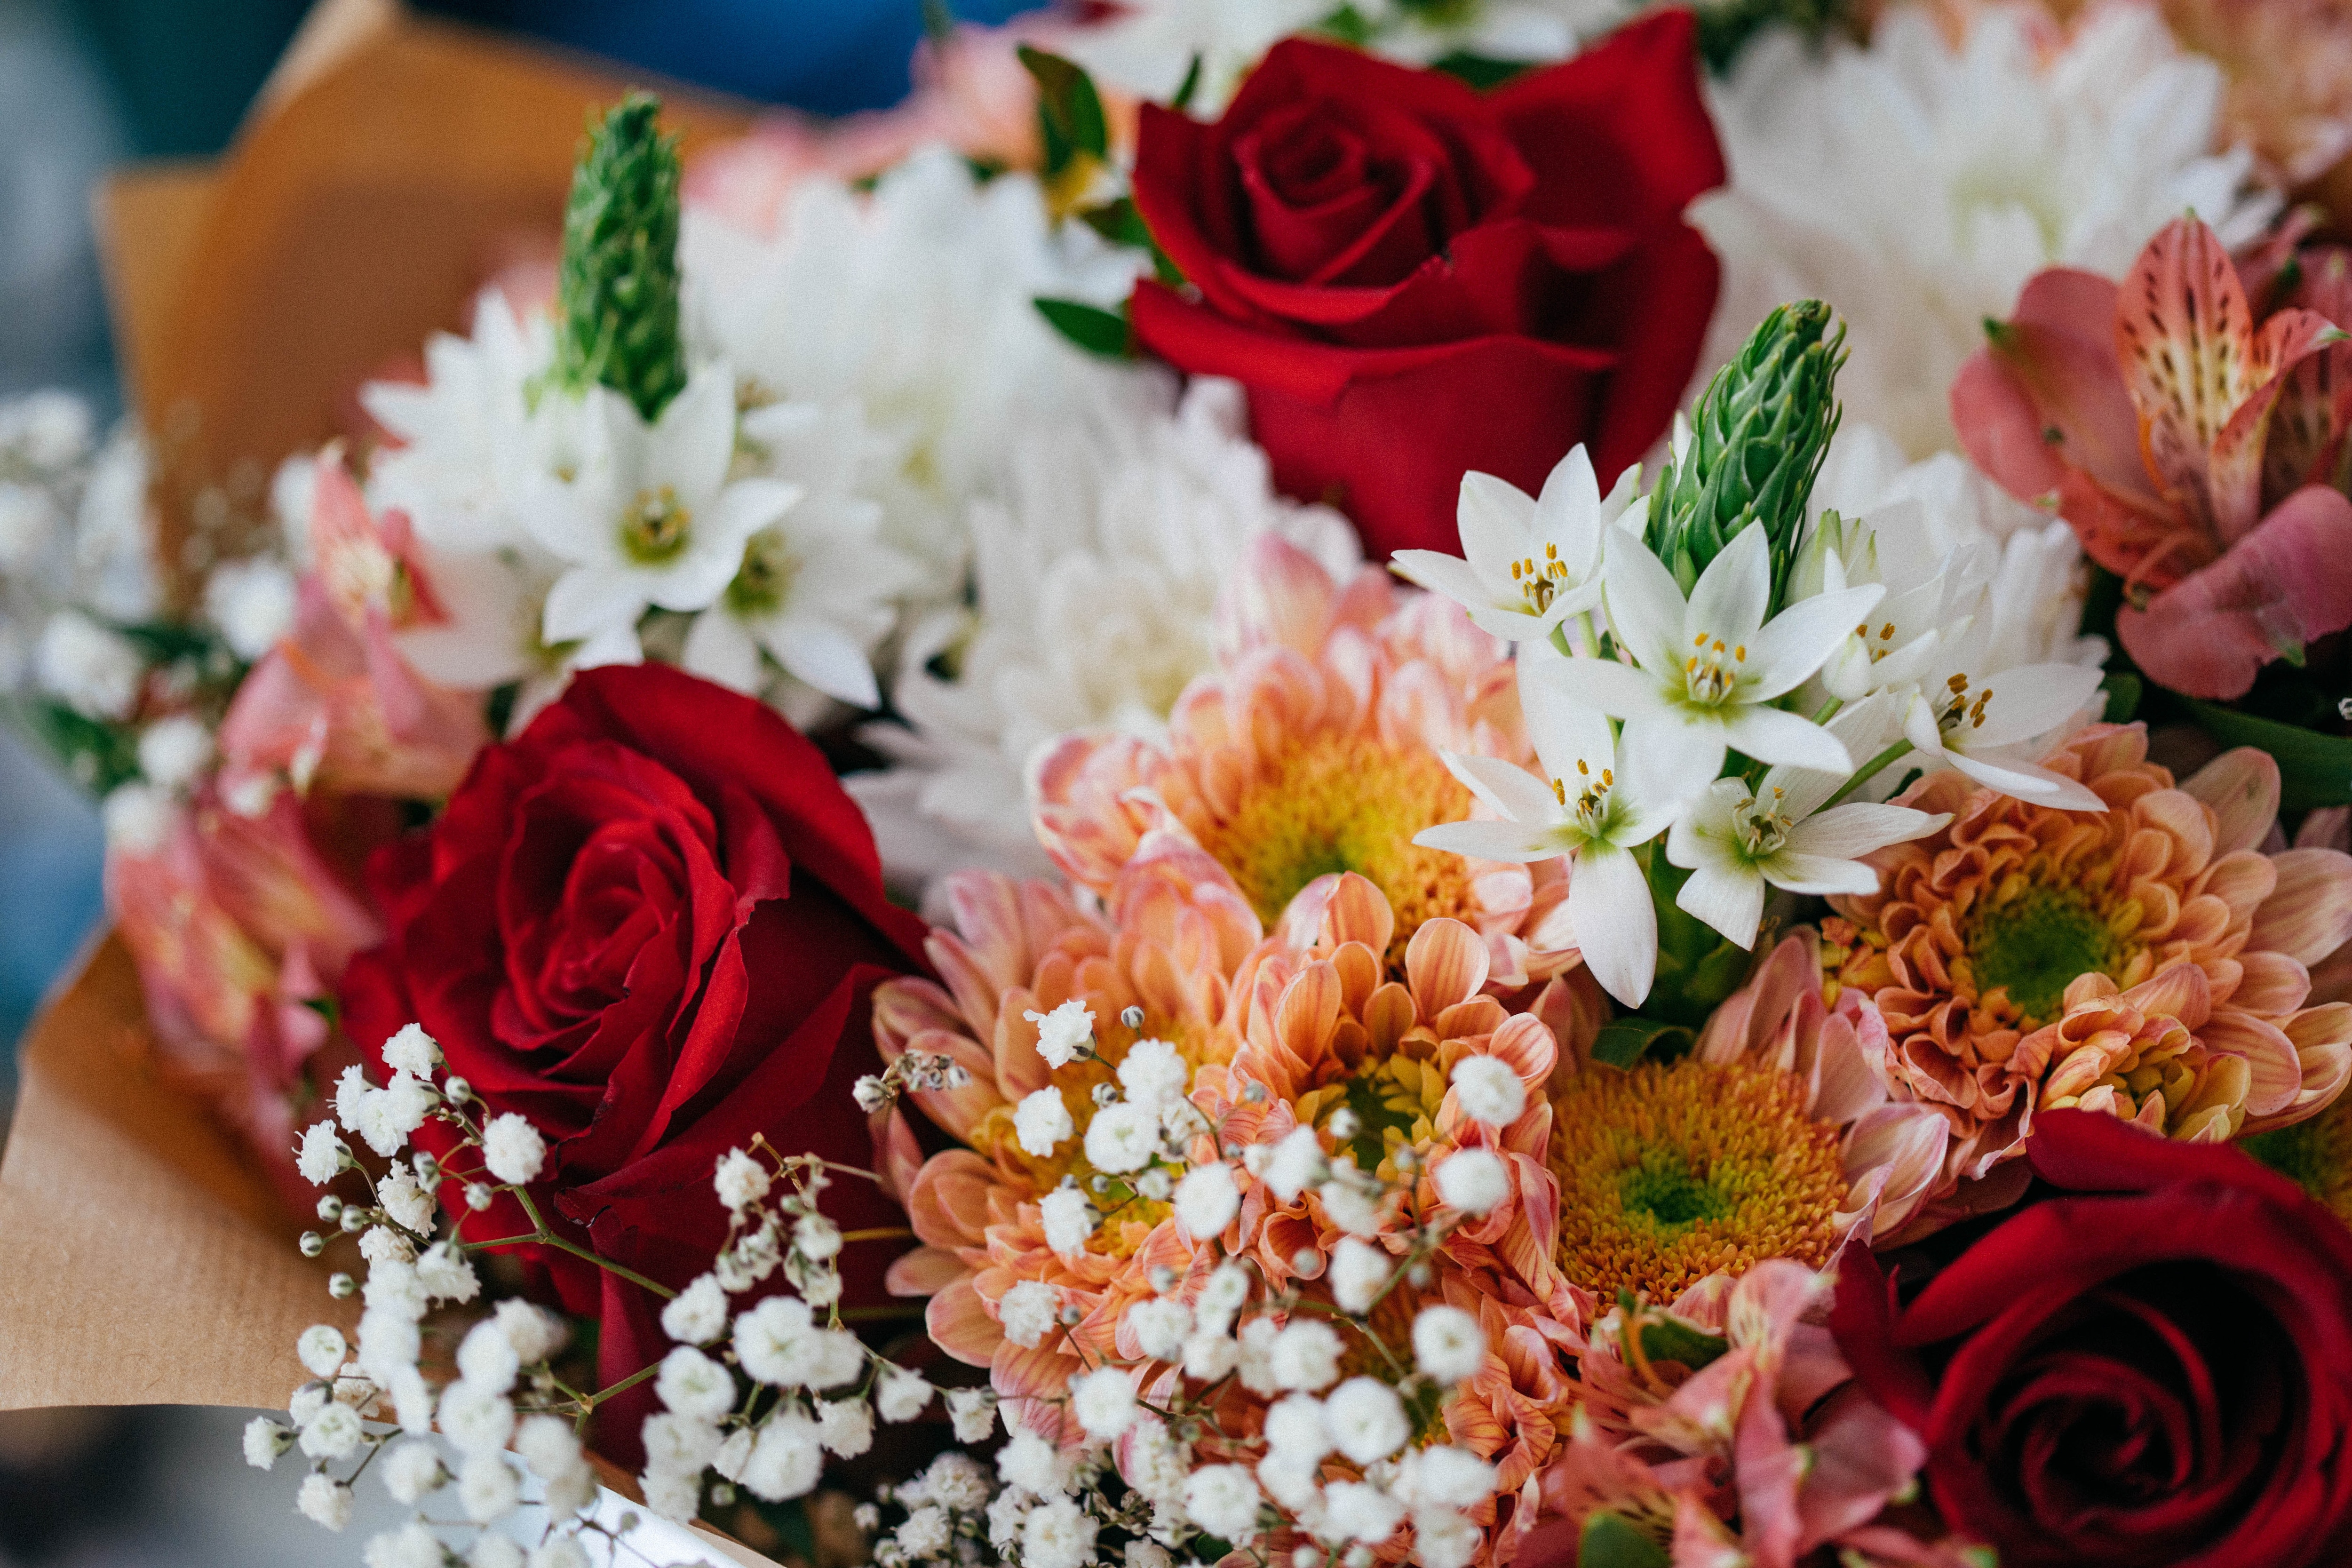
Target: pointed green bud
(1847,537)
(1753,447)
(616,295)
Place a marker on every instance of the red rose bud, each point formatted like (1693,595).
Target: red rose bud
(651,924)
(2152,1368)
(1415,280)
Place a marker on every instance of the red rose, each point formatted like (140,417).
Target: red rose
(2153,1367)
(651,924)
(1415,280)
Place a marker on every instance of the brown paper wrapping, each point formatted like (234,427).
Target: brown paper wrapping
(388,166)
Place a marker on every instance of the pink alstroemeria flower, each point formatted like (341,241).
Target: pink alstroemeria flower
(335,702)
(2193,446)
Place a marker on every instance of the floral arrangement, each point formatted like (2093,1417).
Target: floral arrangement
(1073,829)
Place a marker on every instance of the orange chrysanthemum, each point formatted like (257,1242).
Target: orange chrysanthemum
(1313,751)
(1976,948)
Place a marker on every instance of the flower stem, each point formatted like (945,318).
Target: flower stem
(1868,771)
(548,1237)
(878,1233)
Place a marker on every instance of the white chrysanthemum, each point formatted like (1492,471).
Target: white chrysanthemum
(1096,575)
(916,301)
(1917,186)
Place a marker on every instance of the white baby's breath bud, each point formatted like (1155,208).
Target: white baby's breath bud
(487,1359)
(412,1471)
(694,1385)
(1064,1034)
(330,1208)
(786,1458)
(354,1218)
(487,1488)
(1305,1355)
(324,1500)
(479,1196)
(1488,1090)
(974,1412)
(1296,1164)
(322,1350)
(1474,1181)
(323,1158)
(902,1395)
(740,1180)
(1160,1325)
(1033,1464)
(679,1444)
(457,1090)
(1069,1220)
(815,1236)
(1344,1125)
(447,1274)
(698,1314)
(1257,1368)
(264,1440)
(477,1419)
(1447,1344)
(411,1051)
(1367,1420)
(512,1150)
(1305,1557)
(312,1243)
(870,1093)
(925,1533)
(1223,1293)
(1224,1500)
(1028,1310)
(335,1432)
(351,1093)
(1359,1271)
(1207,1199)
(866,1516)
(1104,1402)
(1041,1122)
(846,1427)
(341,1287)
(413,1545)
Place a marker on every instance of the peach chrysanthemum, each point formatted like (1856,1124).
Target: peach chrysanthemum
(2021,955)
(1312,750)
(1774,1139)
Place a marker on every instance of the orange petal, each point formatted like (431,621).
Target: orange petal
(1445,963)
(958,1324)
(2185,335)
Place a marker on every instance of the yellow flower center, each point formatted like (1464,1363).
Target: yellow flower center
(1539,581)
(1711,671)
(1348,803)
(1670,1173)
(765,579)
(2028,940)
(656,528)
(1392,1101)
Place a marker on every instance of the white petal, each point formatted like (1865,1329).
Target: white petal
(1496,518)
(1844,832)
(1604,685)
(1819,874)
(2028,783)
(1616,927)
(2026,701)
(1725,895)
(690,446)
(1565,731)
(1568,513)
(1731,595)
(1670,757)
(1449,575)
(1510,789)
(1772,735)
(587,600)
(719,648)
(1704,829)
(1510,841)
(1645,607)
(823,656)
(1803,636)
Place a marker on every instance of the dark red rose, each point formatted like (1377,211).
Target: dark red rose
(651,924)
(1414,280)
(2151,1367)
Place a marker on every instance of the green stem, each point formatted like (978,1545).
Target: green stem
(1869,771)
(548,1237)
(879,1314)
(1829,710)
(878,1233)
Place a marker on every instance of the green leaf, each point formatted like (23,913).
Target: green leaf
(1188,86)
(1481,72)
(1611,1541)
(2123,689)
(1092,329)
(1666,1338)
(330,1009)
(98,755)
(1347,26)
(2315,770)
(1069,110)
(1624,1042)
(1119,222)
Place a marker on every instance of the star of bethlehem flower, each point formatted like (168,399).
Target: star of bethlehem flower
(1734,839)
(1707,671)
(651,518)
(1961,716)
(1598,805)
(1527,562)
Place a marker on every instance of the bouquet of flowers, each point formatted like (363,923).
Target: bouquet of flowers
(1072,828)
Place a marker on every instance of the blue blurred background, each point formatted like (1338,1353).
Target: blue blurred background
(85,84)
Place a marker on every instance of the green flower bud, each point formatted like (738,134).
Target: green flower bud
(616,294)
